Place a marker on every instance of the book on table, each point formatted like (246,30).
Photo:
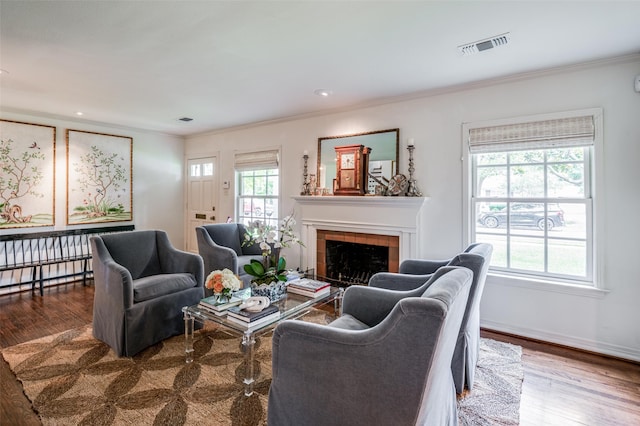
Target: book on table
(211,304)
(249,324)
(309,293)
(308,287)
(212,311)
(250,317)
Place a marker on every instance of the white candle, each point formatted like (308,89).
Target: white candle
(410,142)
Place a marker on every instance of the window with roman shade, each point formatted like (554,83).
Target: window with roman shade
(531,193)
(257,160)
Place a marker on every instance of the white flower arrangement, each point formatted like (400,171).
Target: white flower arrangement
(265,235)
(271,240)
(223,282)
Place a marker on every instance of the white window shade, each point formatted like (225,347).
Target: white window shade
(256,160)
(564,132)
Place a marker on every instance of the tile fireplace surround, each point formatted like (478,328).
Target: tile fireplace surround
(395,216)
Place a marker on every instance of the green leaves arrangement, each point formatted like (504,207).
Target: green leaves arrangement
(263,275)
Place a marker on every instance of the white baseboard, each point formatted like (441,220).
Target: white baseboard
(624,352)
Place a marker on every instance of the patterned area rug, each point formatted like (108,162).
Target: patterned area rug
(72,378)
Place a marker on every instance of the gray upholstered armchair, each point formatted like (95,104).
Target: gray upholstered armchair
(385,361)
(414,272)
(141,284)
(220,245)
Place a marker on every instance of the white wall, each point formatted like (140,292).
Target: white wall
(600,322)
(158,176)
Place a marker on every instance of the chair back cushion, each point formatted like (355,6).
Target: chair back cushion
(136,250)
(226,235)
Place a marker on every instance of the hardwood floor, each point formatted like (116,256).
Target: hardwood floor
(561,386)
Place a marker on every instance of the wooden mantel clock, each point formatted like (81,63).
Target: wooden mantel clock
(352,169)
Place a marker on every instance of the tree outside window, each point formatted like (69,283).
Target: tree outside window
(532,206)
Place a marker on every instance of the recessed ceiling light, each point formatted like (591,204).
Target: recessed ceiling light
(3,71)
(79,113)
(322,92)
(186,119)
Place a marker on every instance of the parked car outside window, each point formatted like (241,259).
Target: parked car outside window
(523,214)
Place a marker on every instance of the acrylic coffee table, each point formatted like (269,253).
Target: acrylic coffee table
(292,306)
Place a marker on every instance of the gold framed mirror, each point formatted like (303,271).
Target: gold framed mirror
(383,159)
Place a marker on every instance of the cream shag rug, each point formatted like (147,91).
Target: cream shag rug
(72,378)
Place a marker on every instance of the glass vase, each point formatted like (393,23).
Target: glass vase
(222,298)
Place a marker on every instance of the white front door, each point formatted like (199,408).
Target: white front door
(202,197)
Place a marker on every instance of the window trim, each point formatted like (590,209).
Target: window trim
(597,195)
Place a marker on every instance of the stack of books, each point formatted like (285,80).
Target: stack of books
(252,319)
(211,305)
(308,287)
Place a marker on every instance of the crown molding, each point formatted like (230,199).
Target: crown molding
(633,57)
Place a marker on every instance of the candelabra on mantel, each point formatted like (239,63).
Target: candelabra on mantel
(412,188)
(305,183)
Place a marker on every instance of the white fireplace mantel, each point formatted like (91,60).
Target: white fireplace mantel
(398,216)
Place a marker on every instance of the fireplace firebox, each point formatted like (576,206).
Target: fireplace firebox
(348,258)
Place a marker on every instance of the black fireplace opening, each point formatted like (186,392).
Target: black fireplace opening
(353,263)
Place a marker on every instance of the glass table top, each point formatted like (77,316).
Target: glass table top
(291,306)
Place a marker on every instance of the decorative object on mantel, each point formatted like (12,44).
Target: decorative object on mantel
(352,169)
(270,274)
(305,183)
(412,190)
(382,186)
(313,184)
(397,185)
(223,283)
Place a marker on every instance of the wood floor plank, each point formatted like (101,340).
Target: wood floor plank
(561,387)
(567,387)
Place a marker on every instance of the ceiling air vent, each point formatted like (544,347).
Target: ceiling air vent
(482,45)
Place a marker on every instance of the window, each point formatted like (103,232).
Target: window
(258,183)
(531,195)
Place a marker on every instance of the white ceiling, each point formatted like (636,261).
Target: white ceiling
(145,64)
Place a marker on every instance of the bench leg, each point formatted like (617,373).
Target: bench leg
(33,278)
(41,282)
(84,272)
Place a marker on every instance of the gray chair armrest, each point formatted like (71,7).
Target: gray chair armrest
(118,291)
(395,281)
(174,261)
(369,304)
(421,267)
(182,261)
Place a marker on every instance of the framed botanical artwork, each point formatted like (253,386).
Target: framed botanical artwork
(27,174)
(99,173)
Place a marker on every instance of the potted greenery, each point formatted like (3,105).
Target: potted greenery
(270,274)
